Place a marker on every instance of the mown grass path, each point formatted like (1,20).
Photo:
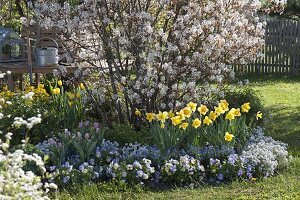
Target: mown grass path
(281,97)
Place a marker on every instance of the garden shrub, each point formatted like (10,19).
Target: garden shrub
(126,133)
(159,54)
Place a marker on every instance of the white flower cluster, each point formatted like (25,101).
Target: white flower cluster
(3,74)
(156,52)
(265,153)
(139,170)
(274,6)
(29,95)
(29,123)
(186,164)
(15,183)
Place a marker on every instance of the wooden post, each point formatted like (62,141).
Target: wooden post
(10,82)
(29,57)
(37,79)
(21,85)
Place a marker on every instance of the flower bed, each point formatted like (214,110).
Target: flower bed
(198,144)
(143,164)
(193,146)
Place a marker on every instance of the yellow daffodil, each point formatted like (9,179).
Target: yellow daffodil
(219,110)
(150,117)
(230,116)
(176,120)
(224,104)
(258,115)
(196,123)
(162,125)
(78,95)
(5,88)
(181,115)
(81,86)
(246,107)
(41,86)
(162,116)
(171,114)
(202,109)
(192,106)
(228,137)
(59,83)
(70,95)
(186,112)
(213,116)
(236,112)
(56,91)
(253,179)
(137,112)
(184,125)
(207,121)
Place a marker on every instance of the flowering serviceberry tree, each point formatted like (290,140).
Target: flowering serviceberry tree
(273,6)
(156,54)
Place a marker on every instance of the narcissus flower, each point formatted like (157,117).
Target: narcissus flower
(230,116)
(213,116)
(41,86)
(207,121)
(59,83)
(192,105)
(171,114)
(224,104)
(246,107)
(181,115)
(176,120)
(186,112)
(219,110)
(150,117)
(137,112)
(56,91)
(196,123)
(162,125)
(184,125)
(228,137)
(162,116)
(258,115)
(236,112)
(70,95)
(81,86)
(202,109)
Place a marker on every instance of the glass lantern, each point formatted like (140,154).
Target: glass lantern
(12,46)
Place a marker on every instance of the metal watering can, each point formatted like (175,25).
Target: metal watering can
(46,56)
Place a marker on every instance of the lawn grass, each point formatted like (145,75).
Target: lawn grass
(281,97)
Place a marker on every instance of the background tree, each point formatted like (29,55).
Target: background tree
(157,54)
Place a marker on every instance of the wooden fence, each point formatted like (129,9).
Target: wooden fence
(281,51)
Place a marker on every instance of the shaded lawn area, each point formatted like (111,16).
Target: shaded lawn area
(281,97)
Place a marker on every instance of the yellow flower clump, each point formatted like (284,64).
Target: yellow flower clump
(188,116)
(228,137)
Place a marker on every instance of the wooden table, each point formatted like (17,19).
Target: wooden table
(20,68)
